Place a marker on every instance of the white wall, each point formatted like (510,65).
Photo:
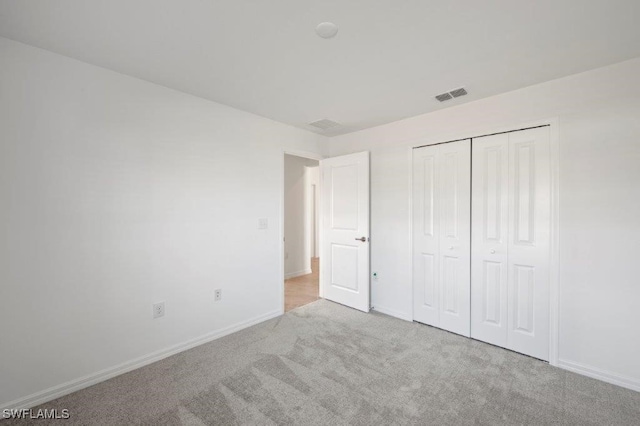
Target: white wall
(297,259)
(599,134)
(117,193)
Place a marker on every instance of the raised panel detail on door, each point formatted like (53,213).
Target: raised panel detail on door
(523,304)
(449,194)
(489,269)
(491,293)
(524,193)
(428,274)
(494,186)
(343,274)
(441,235)
(344,199)
(428,170)
(450,267)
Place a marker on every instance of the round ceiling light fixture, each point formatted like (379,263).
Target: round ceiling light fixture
(327,29)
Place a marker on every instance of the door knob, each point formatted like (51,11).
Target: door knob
(493,252)
(363,239)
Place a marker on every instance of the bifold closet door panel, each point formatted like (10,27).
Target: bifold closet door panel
(441,236)
(529,242)
(455,236)
(489,267)
(426,229)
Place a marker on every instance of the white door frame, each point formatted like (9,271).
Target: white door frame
(311,221)
(310,156)
(554,266)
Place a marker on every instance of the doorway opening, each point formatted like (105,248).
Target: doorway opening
(301,231)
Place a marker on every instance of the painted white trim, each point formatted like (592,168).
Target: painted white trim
(108,373)
(305,154)
(471,134)
(554,252)
(319,209)
(311,201)
(297,273)
(596,373)
(410,168)
(554,265)
(306,236)
(393,313)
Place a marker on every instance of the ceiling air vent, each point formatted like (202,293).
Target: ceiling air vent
(456,93)
(324,124)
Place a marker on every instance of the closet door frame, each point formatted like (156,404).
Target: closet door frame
(554,268)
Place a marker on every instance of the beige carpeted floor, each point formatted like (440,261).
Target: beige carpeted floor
(327,364)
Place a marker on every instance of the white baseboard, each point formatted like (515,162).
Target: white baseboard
(108,373)
(297,274)
(393,313)
(596,373)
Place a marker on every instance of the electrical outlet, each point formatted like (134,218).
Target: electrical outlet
(217,295)
(158,310)
(263,223)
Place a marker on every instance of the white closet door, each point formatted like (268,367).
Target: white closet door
(441,278)
(511,237)
(529,242)
(426,231)
(489,235)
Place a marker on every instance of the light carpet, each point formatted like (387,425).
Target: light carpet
(327,364)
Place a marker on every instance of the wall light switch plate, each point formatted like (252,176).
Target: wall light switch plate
(263,223)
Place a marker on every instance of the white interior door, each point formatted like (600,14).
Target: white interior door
(490,236)
(441,236)
(345,242)
(529,242)
(511,241)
